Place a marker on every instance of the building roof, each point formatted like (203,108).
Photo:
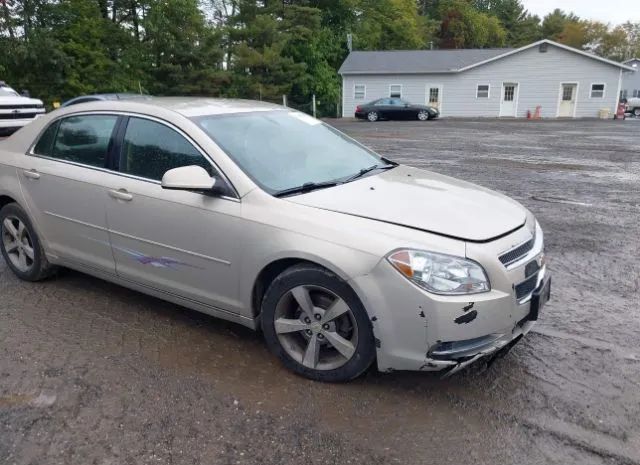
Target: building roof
(441,61)
(633,62)
(416,61)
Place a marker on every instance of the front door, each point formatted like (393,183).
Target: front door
(567,100)
(64,183)
(509,99)
(434,96)
(180,242)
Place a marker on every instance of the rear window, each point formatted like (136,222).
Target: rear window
(45,143)
(84,139)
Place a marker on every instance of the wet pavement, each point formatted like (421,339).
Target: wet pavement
(94,373)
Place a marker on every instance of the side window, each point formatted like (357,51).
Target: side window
(150,149)
(45,144)
(84,139)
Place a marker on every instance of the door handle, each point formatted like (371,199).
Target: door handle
(121,194)
(31,174)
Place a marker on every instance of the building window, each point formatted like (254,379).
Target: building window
(623,94)
(509,92)
(359,92)
(636,93)
(395,91)
(597,90)
(482,91)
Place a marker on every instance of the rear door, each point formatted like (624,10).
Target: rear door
(396,109)
(179,242)
(64,182)
(384,108)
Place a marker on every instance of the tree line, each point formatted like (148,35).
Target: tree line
(258,49)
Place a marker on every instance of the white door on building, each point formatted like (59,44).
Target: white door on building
(568,95)
(509,99)
(434,96)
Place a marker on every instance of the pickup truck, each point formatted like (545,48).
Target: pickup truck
(17,110)
(633,107)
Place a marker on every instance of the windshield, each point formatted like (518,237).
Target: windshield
(7,92)
(285,149)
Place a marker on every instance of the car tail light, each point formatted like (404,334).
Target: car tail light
(358,108)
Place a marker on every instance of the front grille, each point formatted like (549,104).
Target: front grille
(18,115)
(526,287)
(20,107)
(531,268)
(517,253)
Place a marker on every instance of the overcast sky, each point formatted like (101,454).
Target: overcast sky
(608,11)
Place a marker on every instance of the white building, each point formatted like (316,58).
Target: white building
(631,81)
(562,81)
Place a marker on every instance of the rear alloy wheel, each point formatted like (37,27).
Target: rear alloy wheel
(372,116)
(314,322)
(20,245)
(636,112)
(423,115)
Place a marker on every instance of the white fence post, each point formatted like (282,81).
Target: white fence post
(314,105)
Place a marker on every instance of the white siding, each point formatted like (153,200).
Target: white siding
(538,75)
(631,80)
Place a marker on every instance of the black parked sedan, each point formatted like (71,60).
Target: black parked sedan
(394,108)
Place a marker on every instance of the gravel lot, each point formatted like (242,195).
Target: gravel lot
(91,373)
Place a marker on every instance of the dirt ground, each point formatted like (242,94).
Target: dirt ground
(91,373)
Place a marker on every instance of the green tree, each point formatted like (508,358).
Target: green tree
(554,23)
(521,27)
(463,26)
(180,52)
(389,25)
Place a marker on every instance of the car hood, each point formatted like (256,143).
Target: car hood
(423,200)
(19,100)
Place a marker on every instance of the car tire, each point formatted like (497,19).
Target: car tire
(636,112)
(373,116)
(423,115)
(21,247)
(316,325)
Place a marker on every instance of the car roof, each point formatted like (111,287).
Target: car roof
(186,106)
(94,97)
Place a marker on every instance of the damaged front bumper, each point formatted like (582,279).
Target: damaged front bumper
(417,330)
(456,355)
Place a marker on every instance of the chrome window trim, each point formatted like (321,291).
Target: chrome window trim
(30,152)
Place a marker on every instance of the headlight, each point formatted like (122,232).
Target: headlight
(440,274)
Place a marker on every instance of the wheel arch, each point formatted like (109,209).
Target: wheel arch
(274,268)
(6,200)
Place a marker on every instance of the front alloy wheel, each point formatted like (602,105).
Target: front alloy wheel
(315,323)
(316,327)
(423,115)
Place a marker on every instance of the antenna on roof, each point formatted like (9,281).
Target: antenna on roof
(350,42)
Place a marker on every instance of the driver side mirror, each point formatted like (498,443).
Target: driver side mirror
(188,178)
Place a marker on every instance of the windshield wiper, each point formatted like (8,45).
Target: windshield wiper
(364,171)
(306,187)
